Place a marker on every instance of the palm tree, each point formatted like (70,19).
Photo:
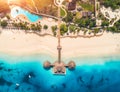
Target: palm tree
(45,27)
(54,28)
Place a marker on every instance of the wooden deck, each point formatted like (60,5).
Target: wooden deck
(59,68)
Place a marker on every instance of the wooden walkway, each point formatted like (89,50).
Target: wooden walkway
(59,66)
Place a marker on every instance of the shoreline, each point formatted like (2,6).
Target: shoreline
(20,43)
(41,58)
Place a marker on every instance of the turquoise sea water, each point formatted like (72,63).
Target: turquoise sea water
(18,11)
(92,74)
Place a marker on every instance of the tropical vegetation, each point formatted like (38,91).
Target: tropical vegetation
(54,30)
(3,23)
(114,4)
(45,27)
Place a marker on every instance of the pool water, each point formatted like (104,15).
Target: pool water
(18,11)
(26,74)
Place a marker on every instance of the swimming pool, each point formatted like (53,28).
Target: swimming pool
(18,11)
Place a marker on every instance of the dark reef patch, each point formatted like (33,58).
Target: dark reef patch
(3,82)
(17,87)
(33,78)
(63,85)
(1,68)
(28,76)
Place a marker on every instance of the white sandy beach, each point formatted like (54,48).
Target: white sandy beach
(18,43)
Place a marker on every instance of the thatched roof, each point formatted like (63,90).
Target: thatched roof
(71,65)
(47,64)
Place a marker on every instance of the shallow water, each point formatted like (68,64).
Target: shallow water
(26,74)
(18,11)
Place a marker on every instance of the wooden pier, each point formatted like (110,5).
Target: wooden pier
(59,67)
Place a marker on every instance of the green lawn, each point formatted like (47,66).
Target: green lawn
(87,6)
(62,12)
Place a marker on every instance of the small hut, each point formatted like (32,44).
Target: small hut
(71,65)
(47,64)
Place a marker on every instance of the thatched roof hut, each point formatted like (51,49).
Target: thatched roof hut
(47,64)
(71,65)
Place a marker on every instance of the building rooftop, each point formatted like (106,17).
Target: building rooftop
(72,5)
